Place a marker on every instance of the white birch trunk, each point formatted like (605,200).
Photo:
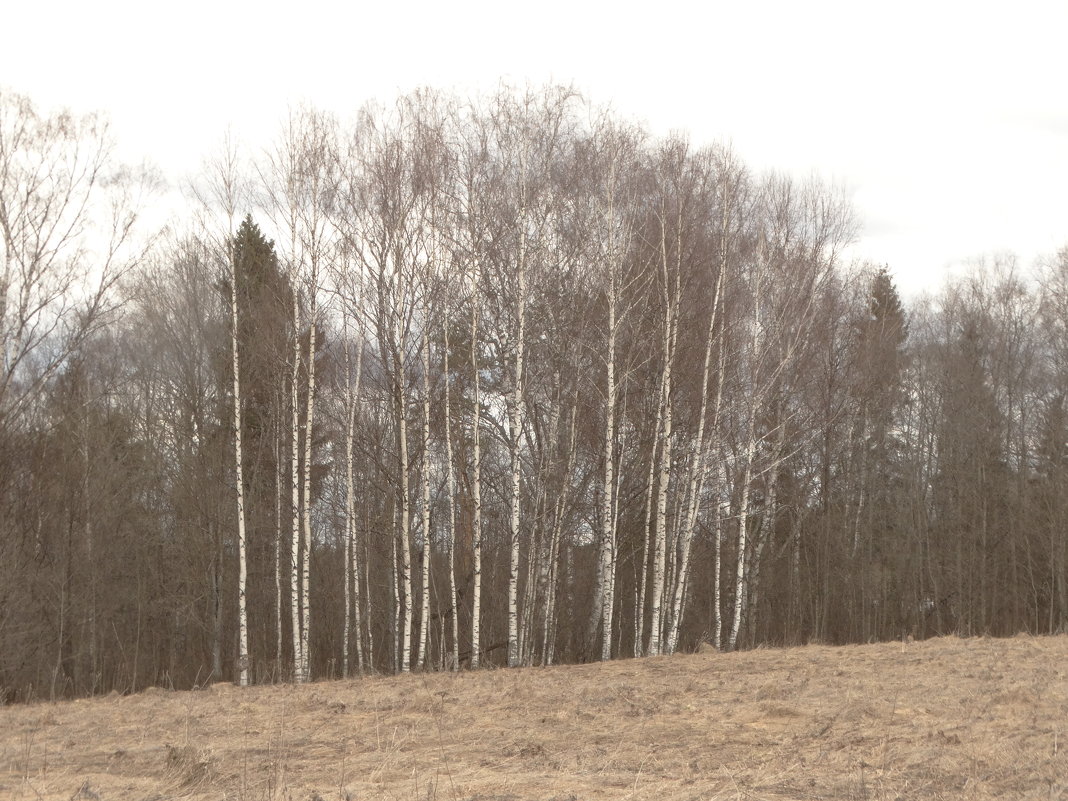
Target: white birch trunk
(681,573)
(294,562)
(350,562)
(593,623)
(722,511)
(697,471)
(278,552)
(549,624)
(476,487)
(350,502)
(305,605)
(547,535)
(370,610)
(538,574)
(647,551)
(756,346)
(405,521)
(454,598)
(660,543)
(242,562)
(396,601)
(422,658)
(671,306)
(535,555)
(352,573)
(608,520)
(516,426)
(741,584)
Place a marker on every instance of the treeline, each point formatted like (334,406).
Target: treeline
(503,381)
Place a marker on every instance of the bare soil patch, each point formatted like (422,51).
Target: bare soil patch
(942,719)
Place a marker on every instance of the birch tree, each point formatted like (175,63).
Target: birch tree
(528,133)
(671,211)
(239,480)
(352,567)
(472,242)
(303,185)
(615,167)
(225,194)
(729,195)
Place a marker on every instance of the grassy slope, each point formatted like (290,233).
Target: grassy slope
(946,718)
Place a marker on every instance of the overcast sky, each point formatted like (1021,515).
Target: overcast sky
(946,121)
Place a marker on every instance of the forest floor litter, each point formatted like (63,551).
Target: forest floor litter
(946,718)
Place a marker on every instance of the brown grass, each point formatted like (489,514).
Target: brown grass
(942,719)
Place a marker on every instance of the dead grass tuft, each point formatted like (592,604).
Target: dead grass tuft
(189,768)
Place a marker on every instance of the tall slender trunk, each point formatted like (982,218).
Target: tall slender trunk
(535,556)
(647,551)
(538,569)
(396,592)
(277,553)
(348,560)
(305,604)
(370,611)
(454,598)
(404,501)
(357,619)
(682,567)
(476,485)
(741,583)
(90,559)
(422,658)
(722,511)
(756,396)
(400,412)
(671,307)
(697,468)
(352,573)
(608,518)
(596,613)
(764,534)
(242,560)
(350,501)
(516,428)
(613,567)
(548,625)
(217,605)
(294,477)
(660,542)
(347,624)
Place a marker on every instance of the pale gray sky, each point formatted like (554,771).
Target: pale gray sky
(947,121)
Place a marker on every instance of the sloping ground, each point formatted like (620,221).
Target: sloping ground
(941,719)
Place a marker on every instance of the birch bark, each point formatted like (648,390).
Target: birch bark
(404,498)
(454,598)
(608,518)
(242,558)
(515,432)
(294,480)
(697,474)
(421,659)
(671,315)
(476,482)
(305,603)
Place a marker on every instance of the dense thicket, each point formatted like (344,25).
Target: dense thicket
(515,383)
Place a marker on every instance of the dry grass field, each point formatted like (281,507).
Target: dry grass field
(942,719)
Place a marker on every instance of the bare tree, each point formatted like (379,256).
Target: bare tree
(302,184)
